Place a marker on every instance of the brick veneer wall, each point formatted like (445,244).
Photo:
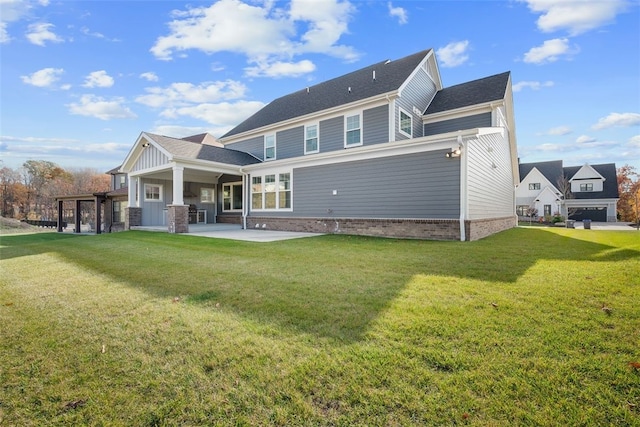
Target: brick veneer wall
(178,217)
(431,229)
(132,217)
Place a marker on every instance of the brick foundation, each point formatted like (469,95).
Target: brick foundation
(132,217)
(430,229)
(229,219)
(178,218)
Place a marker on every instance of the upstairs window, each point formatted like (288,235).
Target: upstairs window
(353,135)
(406,124)
(586,187)
(122,181)
(270,147)
(311,139)
(534,186)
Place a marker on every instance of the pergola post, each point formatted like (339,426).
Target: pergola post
(60,216)
(98,215)
(77,216)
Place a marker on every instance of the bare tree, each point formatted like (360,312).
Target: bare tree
(564,186)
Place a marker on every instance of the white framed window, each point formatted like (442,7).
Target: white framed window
(270,147)
(406,123)
(311,139)
(232,197)
(207,195)
(534,186)
(122,181)
(271,192)
(586,187)
(152,193)
(353,130)
(118,212)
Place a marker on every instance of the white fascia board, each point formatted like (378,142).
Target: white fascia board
(137,148)
(415,71)
(207,166)
(462,112)
(406,146)
(589,202)
(363,104)
(578,175)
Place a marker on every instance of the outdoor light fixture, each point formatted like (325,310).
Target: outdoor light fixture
(145,144)
(453,153)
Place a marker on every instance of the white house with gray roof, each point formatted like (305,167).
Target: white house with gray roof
(384,151)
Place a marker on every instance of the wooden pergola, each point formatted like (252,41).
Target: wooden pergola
(97,198)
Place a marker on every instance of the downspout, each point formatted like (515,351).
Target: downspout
(463,187)
(245,202)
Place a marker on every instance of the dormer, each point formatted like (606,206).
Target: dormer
(586,180)
(534,183)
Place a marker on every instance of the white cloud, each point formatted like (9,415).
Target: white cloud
(550,147)
(43,78)
(617,120)
(453,54)
(550,51)
(98,107)
(224,114)
(585,139)
(531,85)
(4,34)
(261,32)
(559,130)
(149,76)
(281,69)
(398,12)
(575,16)
(98,79)
(183,94)
(40,33)
(634,141)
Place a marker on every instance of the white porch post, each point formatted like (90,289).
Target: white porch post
(131,202)
(178,183)
(140,192)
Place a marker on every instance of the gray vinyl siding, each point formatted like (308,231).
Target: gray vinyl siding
(154,213)
(254,146)
(423,185)
(149,158)
(418,92)
(462,123)
(375,125)
(331,134)
(290,143)
(490,181)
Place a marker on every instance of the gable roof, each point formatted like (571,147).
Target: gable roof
(355,86)
(553,170)
(186,149)
(475,92)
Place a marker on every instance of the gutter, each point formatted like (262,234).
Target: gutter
(463,187)
(245,199)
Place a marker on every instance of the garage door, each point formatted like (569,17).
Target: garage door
(594,214)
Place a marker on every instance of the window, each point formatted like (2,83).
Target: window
(352,136)
(406,124)
(117,212)
(122,181)
(311,139)
(207,195)
(152,193)
(521,210)
(271,192)
(270,147)
(547,210)
(586,187)
(534,186)
(232,197)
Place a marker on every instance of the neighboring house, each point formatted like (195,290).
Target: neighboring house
(384,151)
(576,192)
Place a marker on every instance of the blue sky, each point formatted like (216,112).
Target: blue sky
(81,79)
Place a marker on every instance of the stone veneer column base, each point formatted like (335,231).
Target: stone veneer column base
(429,229)
(132,217)
(178,218)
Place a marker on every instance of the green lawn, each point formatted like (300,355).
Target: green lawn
(145,329)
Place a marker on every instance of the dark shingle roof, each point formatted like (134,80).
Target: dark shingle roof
(475,92)
(390,75)
(193,150)
(553,170)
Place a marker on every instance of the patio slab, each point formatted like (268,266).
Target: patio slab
(235,232)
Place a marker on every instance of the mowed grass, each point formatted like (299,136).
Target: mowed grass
(151,329)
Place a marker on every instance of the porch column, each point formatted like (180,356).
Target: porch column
(60,216)
(131,198)
(140,193)
(77,216)
(98,215)
(178,184)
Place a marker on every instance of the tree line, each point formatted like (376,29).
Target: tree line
(29,191)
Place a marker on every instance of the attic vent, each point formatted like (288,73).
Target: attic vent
(388,61)
(307,89)
(349,89)
(374,75)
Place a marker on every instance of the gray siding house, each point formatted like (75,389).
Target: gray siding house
(382,151)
